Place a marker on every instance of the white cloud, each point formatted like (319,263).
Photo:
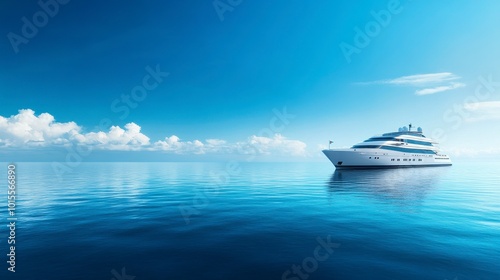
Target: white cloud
(254,145)
(421,79)
(278,144)
(481,106)
(28,130)
(433,90)
(427,83)
(174,144)
(117,138)
(483,111)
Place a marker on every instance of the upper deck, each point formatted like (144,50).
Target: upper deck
(401,133)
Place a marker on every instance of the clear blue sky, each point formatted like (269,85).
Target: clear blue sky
(230,66)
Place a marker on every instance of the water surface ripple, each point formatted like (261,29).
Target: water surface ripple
(256,222)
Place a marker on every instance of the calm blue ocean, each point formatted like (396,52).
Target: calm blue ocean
(127,221)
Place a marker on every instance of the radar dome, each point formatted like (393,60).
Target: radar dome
(419,129)
(405,128)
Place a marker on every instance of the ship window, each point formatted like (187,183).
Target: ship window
(413,159)
(379,139)
(398,159)
(404,159)
(370,158)
(365,146)
(419,159)
(407,150)
(419,142)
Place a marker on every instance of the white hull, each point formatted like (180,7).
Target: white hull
(377,158)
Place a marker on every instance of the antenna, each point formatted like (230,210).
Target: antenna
(409,127)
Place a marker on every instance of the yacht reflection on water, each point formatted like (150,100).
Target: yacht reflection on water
(403,187)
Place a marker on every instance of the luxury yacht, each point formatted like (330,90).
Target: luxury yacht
(405,148)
